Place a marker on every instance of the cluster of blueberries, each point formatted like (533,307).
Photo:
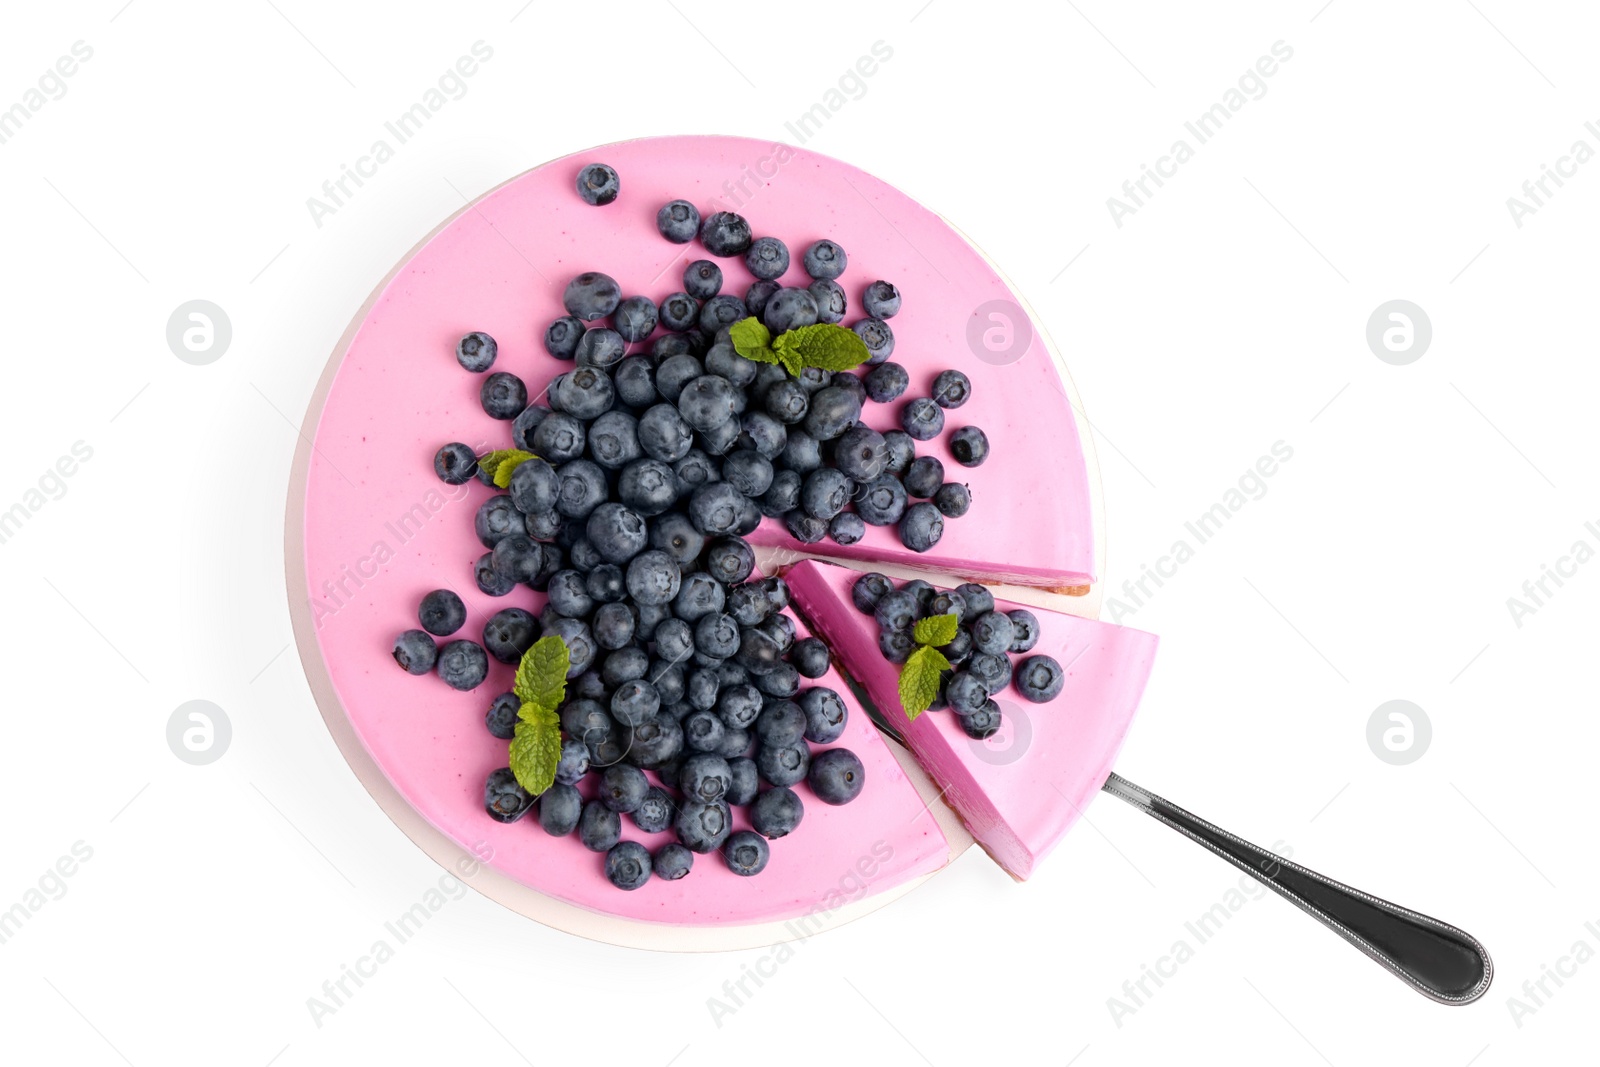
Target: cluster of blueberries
(979,654)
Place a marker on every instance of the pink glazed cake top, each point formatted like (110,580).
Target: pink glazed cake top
(380,529)
(1021,790)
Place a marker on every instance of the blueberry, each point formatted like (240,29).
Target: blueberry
(896,645)
(490,581)
(959,649)
(501,718)
(978,599)
(672,861)
(966,692)
(716,508)
(730,560)
(789,309)
(463,665)
(747,471)
(1024,630)
(614,440)
(648,486)
(777,591)
(585,720)
(949,602)
(663,434)
(762,433)
(415,652)
(654,742)
(518,557)
(604,348)
(476,352)
(534,487)
(673,344)
(455,464)
(574,761)
(591,295)
(739,705)
(635,381)
(720,312)
(561,337)
(813,378)
(970,446)
(598,184)
(503,395)
(767,258)
(881,300)
(992,632)
(783,495)
(831,301)
(887,382)
(758,652)
(725,234)
(675,535)
(924,592)
(609,750)
(847,528)
(721,438)
(787,402)
(861,452)
(703,826)
(924,477)
(622,666)
(679,312)
(648,617)
(526,422)
(654,813)
(442,613)
(922,418)
(583,488)
(781,722)
(878,337)
(758,296)
(807,529)
(568,594)
(503,798)
(951,389)
(558,438)
(896,610)
(545,526)
(706,402)
(825,493)
(953,499)
(669,679)
(616,531)
(574,633)
(783,764)
(560,807)
(678,221)
(868,590)
(585,393)
(510,633)
(1039,678)
(744,780)
(653,577)
(623,788)
(832,411)
(701,688)
(635,700)
(982,722)
(824,259)
(723,359)
(921,527)
(810,657)
(583,556)
(882,501)
(992,669)
(902,451)
(836,776)
(699,596)
(782,682)
(825,712)
(702,731)
(599,828)
(717,635)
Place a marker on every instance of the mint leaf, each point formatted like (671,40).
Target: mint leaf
(826,346)
(788,354)
(935,630)
(542,676)
(499,465)
(536,747)
(752,340)
(919,680)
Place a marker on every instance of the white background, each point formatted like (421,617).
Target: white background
(1227,314)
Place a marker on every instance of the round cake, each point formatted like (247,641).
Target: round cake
(374,528)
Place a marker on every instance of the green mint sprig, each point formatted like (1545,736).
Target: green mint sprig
(823,345)
(502,463)
(541,685)
(919,678)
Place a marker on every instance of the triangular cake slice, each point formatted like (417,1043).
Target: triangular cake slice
(1022,789)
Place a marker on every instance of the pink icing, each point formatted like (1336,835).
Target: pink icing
(380,530)
(1021,790)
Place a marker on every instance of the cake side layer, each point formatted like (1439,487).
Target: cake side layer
(1021,790)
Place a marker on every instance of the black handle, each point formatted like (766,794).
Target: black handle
(1434,958)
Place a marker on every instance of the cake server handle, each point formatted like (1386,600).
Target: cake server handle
(1434,958)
